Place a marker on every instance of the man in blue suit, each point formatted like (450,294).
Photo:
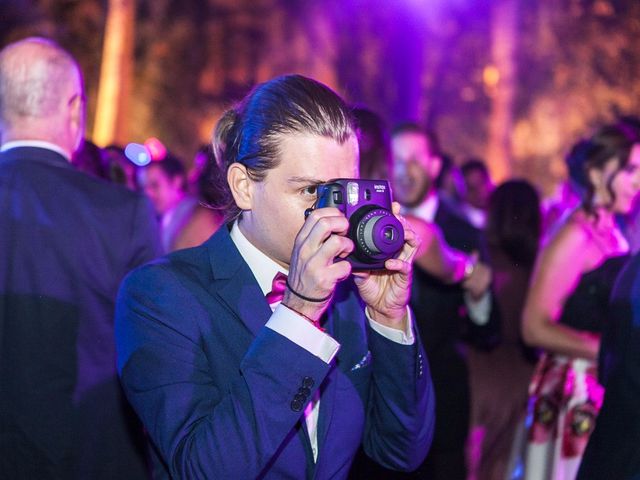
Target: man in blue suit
(66,242)
(239,373)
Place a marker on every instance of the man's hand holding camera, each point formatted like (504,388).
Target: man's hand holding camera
(313,272)
(387,292)
(328,235)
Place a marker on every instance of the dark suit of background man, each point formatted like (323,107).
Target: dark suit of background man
(232,384)
(66,241)
(613,450)
(438,306)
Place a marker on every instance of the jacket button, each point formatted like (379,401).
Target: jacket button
(296,405)
(307,382)
(304,391)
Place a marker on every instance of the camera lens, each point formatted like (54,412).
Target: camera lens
(377,234)
(389,233)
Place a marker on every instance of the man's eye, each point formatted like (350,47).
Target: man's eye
(310,190)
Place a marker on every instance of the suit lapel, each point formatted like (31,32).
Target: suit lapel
(234,284)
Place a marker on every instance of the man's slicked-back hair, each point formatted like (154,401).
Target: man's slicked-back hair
(250,132)
(30,84)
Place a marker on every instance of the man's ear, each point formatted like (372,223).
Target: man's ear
(241,186)
(76,115)
(435,166)
(76,119)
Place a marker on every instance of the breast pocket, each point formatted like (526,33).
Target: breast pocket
(357,372)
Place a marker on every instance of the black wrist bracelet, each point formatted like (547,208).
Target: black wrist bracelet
(308,299)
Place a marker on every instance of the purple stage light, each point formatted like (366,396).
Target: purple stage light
(138,154)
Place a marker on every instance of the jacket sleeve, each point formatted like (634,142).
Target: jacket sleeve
(400,410)
(144,235)
(203,427)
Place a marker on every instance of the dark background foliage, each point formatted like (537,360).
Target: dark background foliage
(577,64)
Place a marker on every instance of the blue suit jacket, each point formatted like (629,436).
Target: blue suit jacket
(214,387)
(66,242)
(614,446)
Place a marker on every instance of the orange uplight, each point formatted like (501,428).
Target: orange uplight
(490,76)
(115,69)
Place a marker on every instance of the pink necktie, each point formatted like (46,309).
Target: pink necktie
(278,286)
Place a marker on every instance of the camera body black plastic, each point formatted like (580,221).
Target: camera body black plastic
(376,233)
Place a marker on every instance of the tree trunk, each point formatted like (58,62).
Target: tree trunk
(501,81)
(110,124)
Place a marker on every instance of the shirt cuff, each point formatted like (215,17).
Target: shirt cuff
(300,331)
(479,310)
(398,336)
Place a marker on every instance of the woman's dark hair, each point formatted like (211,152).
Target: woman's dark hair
(89,159)
(172,167)
(121,170)
(209,181)
(514,221)
(250,132)
(374,143)
(609,143)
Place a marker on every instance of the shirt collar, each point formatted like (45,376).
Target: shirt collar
(262,267)
(36,144)
(427,209)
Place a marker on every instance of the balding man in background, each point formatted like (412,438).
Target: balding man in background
(66,241)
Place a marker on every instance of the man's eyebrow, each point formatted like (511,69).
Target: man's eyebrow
(305,180)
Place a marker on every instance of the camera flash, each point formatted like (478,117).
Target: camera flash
(353,193)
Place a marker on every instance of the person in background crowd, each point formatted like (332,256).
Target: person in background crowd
(568,304)
(374,144)
(450,184)
(499,378)
(208,183)
(478,187)
(564,200)
(445,264)
(196,176)
(89,159)
(630,224)
(613,449)
(441,308)
(67,241)
(257,354)
(184,221)
(121,170)
(434,255)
